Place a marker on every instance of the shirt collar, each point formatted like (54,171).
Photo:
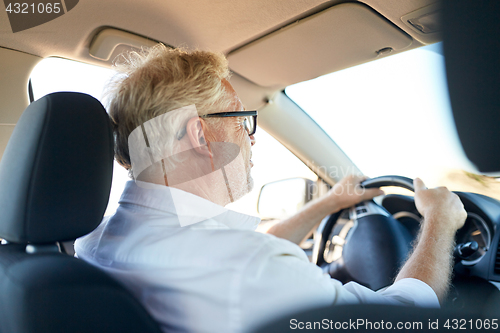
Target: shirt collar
(191,210)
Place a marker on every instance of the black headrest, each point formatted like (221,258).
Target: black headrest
(472,54)
(55,174)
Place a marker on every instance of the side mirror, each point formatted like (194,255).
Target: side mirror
(284,198)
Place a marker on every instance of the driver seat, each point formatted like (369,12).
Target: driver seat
(55,179)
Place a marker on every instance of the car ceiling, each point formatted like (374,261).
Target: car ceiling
(215,25)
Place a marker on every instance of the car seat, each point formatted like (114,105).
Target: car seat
(55,180)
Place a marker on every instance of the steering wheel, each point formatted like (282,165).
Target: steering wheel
(364,243)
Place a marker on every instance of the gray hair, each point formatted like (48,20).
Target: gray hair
(158,80)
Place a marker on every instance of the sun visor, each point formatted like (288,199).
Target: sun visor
(341,36)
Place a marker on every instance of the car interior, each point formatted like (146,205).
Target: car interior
(56,162)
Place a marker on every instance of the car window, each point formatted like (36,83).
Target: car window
(272,161)
(393,116)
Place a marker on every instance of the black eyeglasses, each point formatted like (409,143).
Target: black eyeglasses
(250,121)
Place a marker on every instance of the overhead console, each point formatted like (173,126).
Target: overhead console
(109,43)
(339,37)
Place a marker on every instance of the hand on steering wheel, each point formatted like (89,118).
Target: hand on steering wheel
(348,192)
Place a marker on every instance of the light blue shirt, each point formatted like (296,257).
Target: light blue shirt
(217,275)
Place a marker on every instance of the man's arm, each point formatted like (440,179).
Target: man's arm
(431,261)
(344,194)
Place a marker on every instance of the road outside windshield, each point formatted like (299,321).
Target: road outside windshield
(393,116)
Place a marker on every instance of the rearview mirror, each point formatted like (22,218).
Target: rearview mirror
(284,198)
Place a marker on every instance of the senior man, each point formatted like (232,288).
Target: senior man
(186,139)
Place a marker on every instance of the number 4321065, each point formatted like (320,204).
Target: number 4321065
(41,8)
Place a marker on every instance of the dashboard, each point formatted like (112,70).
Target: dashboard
(481,228)
(477,252)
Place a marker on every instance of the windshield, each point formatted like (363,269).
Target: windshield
(393,116)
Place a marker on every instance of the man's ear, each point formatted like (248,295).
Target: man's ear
(195,132)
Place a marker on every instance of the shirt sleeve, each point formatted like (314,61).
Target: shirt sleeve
(279,279)
(407,291)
